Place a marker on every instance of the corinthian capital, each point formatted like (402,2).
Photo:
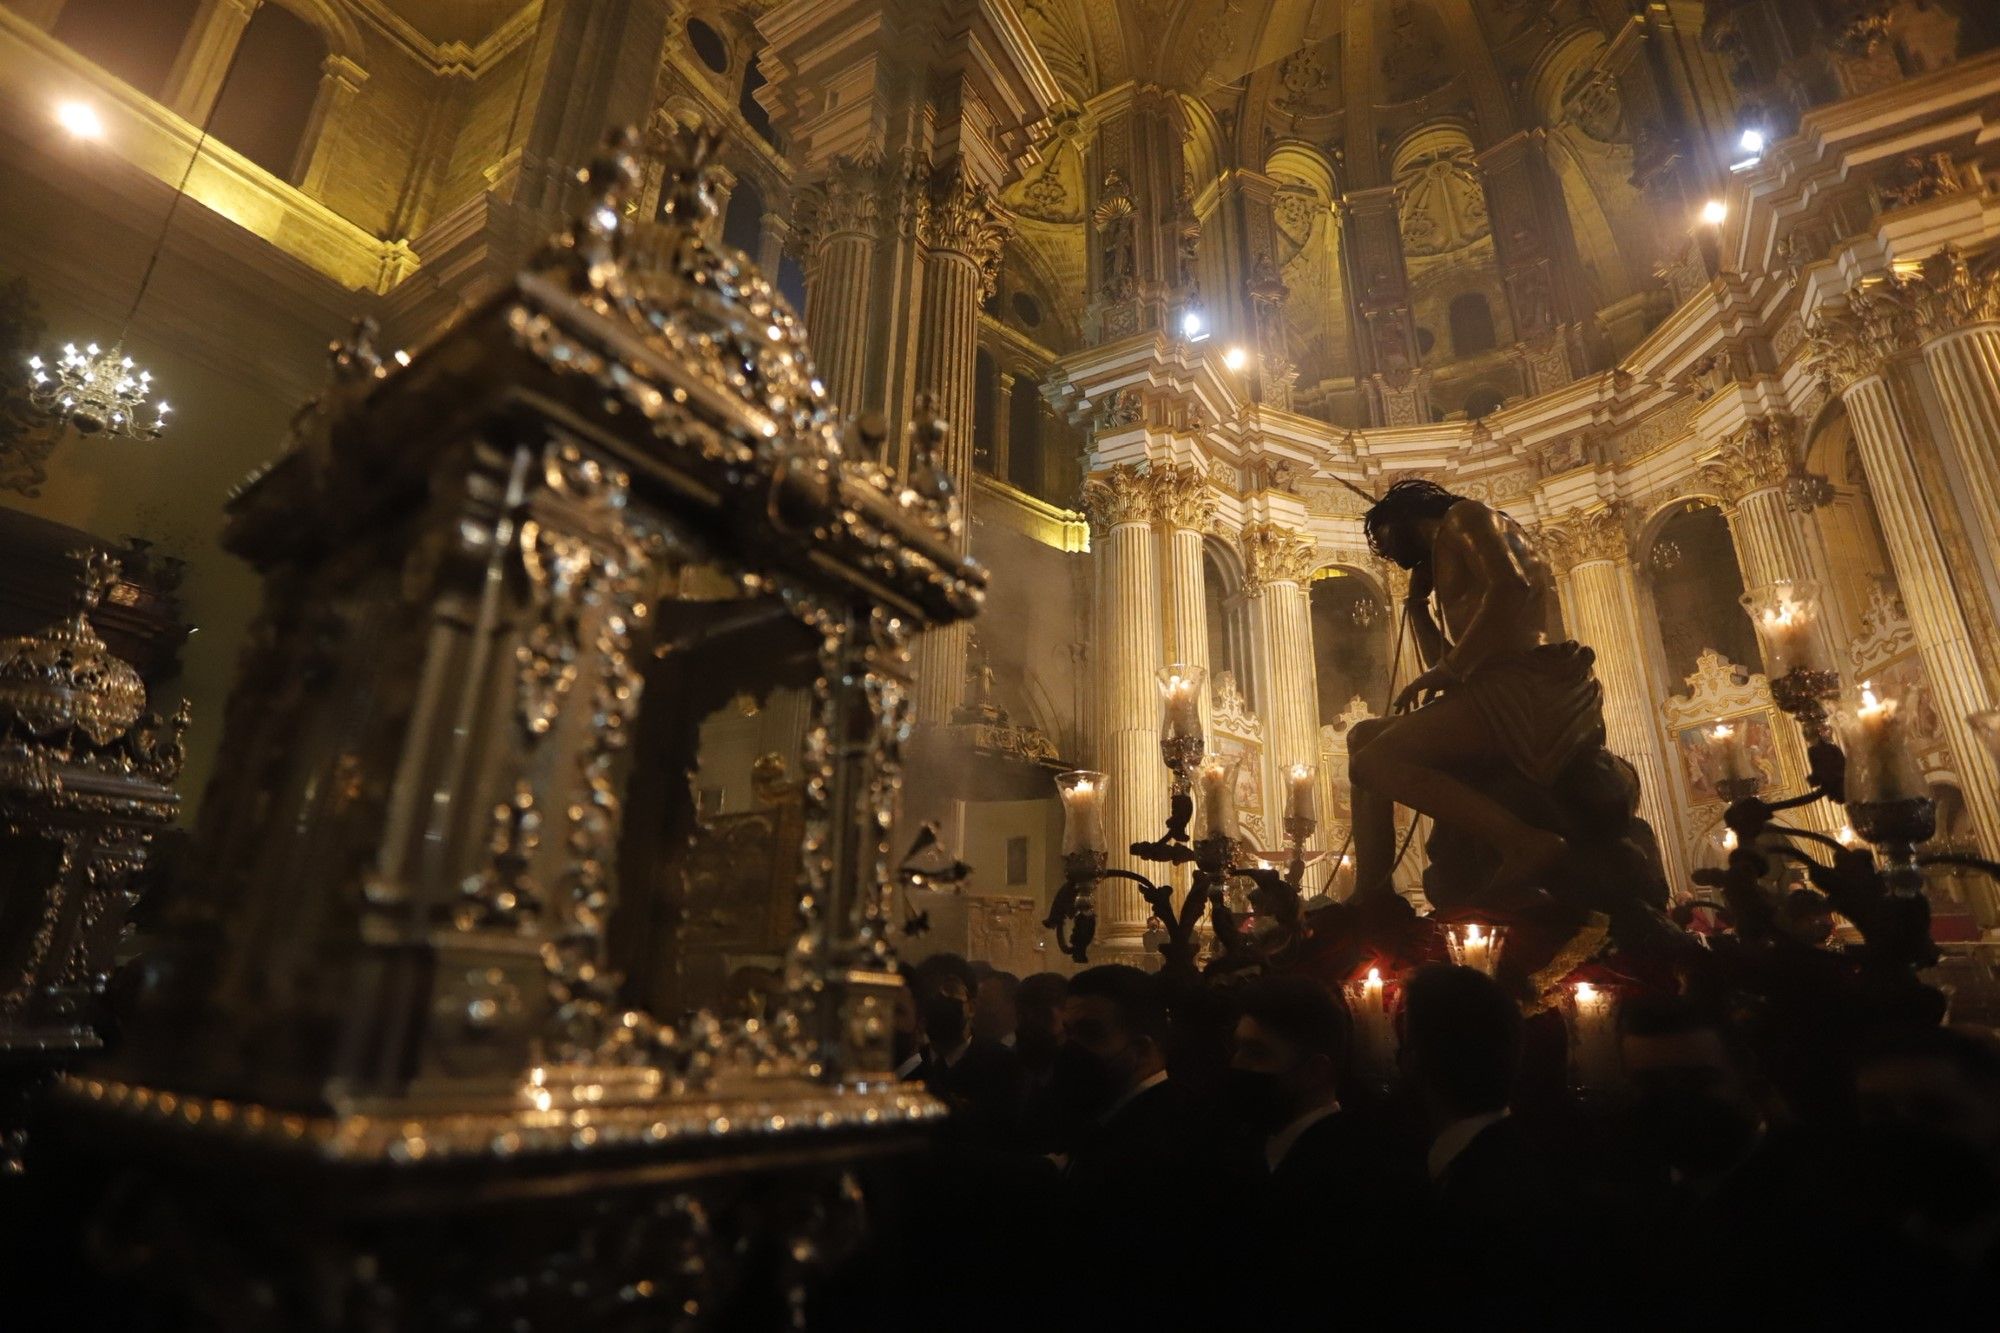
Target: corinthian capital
(1598,534)
(847,199)
(1182,497)
(1274,554)
(1121,494)
(957,214)
(1755,458)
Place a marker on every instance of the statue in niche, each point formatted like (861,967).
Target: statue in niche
(1534,302)
(1117,257)
(1392,354)
(1500,740)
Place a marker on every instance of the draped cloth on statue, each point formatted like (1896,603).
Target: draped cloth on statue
(1544,706)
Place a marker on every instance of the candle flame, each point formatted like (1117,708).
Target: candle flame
(1723,731)
(1374,976)
(1847,837)
(1729,840)
(1473,935)
(1585,992)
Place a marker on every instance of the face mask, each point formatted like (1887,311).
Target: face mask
(902,1045)
(1085,1084)
(944,1022)
(1256,1098)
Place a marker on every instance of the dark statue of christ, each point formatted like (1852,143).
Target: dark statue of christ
(1501,726)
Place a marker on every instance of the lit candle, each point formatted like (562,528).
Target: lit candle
(1847,837)
(1785,615)
(1180,701)
(1731,754)
(1475,946)
(1374,1034)
(1301,804)
(1729,840)
(1083,811)
(1217,782)
(1881,766)
(1593,1035)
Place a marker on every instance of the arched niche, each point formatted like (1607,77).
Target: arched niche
(137,42)
(265,109)
(1352,625)
(1228,625)
(1688,559)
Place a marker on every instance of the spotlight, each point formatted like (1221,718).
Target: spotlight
(80,119)
(1752,142)
(1235,358)
(1193,327)
(1713,212)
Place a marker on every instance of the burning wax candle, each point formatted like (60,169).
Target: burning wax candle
(1301,802)
(1732,756)
(1475,946)
(1786,615)
(1374,1034)
(1083,811)
(1217,786)
(1880,764)
(1593,1034)
(1180,701)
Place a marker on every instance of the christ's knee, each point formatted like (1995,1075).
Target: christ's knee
(1365,766)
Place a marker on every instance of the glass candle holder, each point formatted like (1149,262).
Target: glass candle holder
(1301,793)
(1180,700)
(1215,789)
(1730,752)
(1476,945)
(1370,1002)
(1874,726)
(1590,1012)
(1786,617)
(1082,793)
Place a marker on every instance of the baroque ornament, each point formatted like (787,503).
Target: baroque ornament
(958,214)
(1117,495)
(1756,458)
(1275,554)
(1181,497)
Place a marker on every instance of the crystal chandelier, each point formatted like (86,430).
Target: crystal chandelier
(97,392)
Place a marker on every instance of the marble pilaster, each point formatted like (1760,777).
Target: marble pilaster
(1278,565)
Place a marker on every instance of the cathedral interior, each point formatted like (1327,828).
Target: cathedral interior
(558,552)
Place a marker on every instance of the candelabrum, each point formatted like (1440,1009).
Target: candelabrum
(1858,756)
(1218,853)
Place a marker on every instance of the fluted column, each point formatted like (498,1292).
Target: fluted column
(1278,563)
(1125,553)
(838,218)
(1602,611)
(960,229)
(1943,639)
(1771,547)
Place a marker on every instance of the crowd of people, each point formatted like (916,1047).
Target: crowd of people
(1125,1153)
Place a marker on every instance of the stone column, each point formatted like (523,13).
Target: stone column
(1537,258)
(1382,319)
(1128,646)
(1602,610)
(1944,641)
(1277,567)
(1003,424)
(1750,472)
(960,229)
(838,219)
(1955,311)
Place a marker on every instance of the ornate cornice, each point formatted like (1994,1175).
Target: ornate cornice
(1901,311)
(1756,458)
(1275,554)
(958,214)
(1580,539)
(1182,497)
(1120,494)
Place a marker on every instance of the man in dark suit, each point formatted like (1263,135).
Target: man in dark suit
(1498,1226)
(1322,1192)
(977,1077)
(1132,1191)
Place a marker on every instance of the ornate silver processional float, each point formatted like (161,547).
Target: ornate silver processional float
(503,585)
